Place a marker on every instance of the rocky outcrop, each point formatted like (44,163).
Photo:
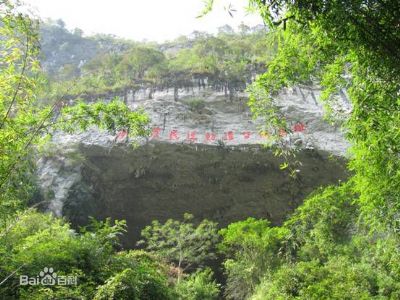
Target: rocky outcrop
(207,111)
(160,181)
(205,156)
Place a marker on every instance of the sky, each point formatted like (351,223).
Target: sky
(152,20)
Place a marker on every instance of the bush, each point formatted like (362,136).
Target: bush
(196,104)
(325,223)
(198,286)
(182,242)
(135,284)
(35,241)
(338,279)
(251,247)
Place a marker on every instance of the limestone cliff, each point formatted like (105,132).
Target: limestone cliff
(181,168)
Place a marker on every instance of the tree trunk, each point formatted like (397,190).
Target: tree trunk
(231,92)
(179,266)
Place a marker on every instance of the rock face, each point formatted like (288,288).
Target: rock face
(204,157)
(200,112)
(161,181)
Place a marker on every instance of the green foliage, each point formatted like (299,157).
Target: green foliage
(251,248)
(143,282)
(182,243)
(338,279)
(223,62)
(335,242)
(139,60)
(198,286)
(111,116)
(37,240)
(342,243)
(344,45)
(196,104)
(322,252)
(31,241)
(135,275)
(63,51)
(24,123)
(324,225)
(18,80)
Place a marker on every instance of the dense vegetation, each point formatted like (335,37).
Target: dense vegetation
(342,243)
(227,61)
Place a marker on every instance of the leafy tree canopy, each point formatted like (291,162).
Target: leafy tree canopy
(182,242)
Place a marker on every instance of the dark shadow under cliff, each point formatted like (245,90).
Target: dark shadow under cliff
(161,181)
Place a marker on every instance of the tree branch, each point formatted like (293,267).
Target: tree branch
(14,98)
(12,274)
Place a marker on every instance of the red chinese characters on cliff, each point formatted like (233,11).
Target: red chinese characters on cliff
(229,136)
(210,136)
(122,136)
(155,134)
(282,132)
(191,136)
(299,127)
(174,135)
(246,135)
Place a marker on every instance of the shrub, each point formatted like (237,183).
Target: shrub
(198,286)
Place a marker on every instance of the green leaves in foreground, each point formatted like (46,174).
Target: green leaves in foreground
(25,124)
(251,249)
(322,252)
(111,116)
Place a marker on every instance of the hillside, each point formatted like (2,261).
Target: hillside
(256,163)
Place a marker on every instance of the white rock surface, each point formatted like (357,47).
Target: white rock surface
(227,120)
(223,121)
